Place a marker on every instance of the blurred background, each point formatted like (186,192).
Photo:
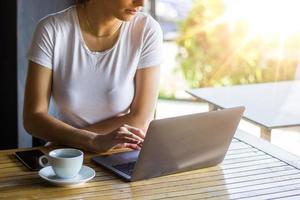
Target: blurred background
(220,43)
(226,42)
(207,43)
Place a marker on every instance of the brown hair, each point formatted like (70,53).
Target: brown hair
(81,1)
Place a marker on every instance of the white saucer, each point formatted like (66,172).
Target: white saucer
(85,174)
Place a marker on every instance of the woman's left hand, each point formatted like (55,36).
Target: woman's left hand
(136,131)
(123,137)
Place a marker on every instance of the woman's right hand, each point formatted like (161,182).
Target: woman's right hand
(124,137)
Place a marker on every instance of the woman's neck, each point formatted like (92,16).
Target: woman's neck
(99,18)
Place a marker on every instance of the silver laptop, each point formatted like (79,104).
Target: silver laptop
(177,144)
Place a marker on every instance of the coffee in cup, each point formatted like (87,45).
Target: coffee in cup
(66,163)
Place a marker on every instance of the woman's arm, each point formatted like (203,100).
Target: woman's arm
(39,123)
(35,114)
(143,106)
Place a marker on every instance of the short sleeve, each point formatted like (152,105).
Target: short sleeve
(42,45)
(151,52)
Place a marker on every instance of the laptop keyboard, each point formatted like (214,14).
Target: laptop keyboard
(126,168)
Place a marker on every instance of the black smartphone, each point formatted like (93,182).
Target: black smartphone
(30,158)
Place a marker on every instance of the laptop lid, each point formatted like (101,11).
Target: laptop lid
(180,144)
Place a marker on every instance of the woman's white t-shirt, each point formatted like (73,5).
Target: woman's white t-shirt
(89,87)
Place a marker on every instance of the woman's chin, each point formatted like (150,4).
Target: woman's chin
(126,17)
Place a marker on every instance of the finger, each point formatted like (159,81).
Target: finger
(126,145)
(123,137)
(140,144)
(127,140)
(123,128)
(119,146)
(132,146)
(121,134)
(135,131)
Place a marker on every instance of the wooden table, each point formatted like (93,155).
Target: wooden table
(252,169)
(268,105)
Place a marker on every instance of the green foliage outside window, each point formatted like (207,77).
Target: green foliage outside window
(214,53)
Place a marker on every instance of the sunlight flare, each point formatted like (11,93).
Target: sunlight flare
(266,17)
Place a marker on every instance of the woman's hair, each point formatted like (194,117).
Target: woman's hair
(81,1)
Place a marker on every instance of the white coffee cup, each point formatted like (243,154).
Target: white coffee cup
(66,163)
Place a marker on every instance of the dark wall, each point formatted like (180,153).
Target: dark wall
(18,19)
(8,65)
(29,12)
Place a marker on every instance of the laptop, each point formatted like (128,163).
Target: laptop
(177,144)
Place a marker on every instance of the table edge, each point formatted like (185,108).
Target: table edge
(269,127)
(268,148)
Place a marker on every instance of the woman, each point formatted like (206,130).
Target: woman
(99,60)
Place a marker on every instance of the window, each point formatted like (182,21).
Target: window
(224,42)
